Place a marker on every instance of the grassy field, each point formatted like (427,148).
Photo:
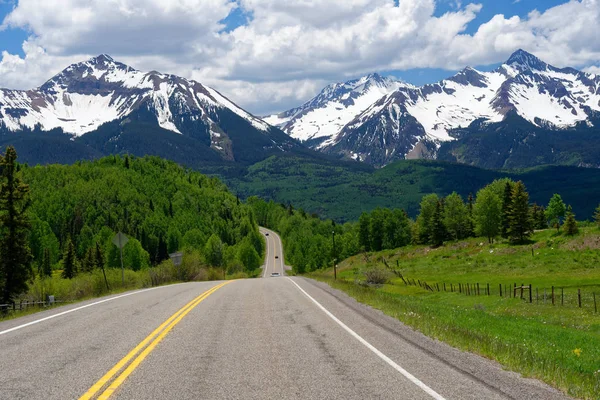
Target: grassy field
(558,344)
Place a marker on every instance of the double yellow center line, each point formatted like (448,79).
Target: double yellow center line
(141,351)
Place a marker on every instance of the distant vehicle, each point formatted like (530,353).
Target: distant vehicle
(276,256)
(266,234)
(274,274)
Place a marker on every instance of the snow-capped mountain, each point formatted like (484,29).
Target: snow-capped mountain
(86,96)
(412,122)
(321,118)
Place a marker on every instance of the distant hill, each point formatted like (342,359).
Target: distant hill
(342,192)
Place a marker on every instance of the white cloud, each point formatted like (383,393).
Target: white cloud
(289,49)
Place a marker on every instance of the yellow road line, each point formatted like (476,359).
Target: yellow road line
(161,331)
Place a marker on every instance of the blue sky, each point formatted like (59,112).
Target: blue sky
(275,54)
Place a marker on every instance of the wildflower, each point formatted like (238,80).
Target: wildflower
(577,352)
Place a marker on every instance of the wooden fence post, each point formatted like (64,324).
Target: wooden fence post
(562,296)
(530,294)
(579,297)
(515,291)
(537,296)
(552,295)
(500,290)
(444,286)
(488,289)
(459,288)
(522,284)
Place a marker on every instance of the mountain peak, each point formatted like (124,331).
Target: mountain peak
(102,58)
(525,60)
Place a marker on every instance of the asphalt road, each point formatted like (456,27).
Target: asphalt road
(274,261)
(272,338)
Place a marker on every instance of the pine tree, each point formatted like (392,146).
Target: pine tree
(471,221)
(571,227)
(46,264)
(99,257)
(597,216)
(127,161)
(519,219)
(506,204)
(69,261)
(15,255)
(542,222)
(438,232)
(88,264)
(364,226)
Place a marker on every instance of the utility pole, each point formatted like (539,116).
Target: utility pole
(334,256)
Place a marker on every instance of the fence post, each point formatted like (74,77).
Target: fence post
(530,294)
(562,296)
(488,287)
(444,286)
(579,297)
(537,296)
(522,284)
(477,288)
(459,288)
(515,291)
(552,295)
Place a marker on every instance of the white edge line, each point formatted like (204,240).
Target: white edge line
(77,309)
(385,358)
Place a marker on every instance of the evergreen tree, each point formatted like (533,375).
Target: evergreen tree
(376,230)
(438,231)
(542,222)
(69,260)
(99,257)
(88,263)
(364,226)
(506,204)
(597,216)
(535,215)
(127,161)
(555,211)
(163,251)
(470,221)
(46,270)
(519,219)
(571,227)
(15,255)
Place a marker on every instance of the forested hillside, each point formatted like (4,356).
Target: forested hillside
(342,191)
(74,212)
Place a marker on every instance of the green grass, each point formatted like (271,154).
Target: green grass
(538,340)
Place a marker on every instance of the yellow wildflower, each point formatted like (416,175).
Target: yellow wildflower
(577,352)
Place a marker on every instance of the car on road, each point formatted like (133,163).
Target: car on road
(276,256)
(266,234)
(274,274)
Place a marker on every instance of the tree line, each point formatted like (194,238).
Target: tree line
(501,209)
(64,217)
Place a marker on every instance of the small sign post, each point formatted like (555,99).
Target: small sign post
(120,240)
(177,258)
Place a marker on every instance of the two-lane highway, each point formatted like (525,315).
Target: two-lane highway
(274,255)
(281,338)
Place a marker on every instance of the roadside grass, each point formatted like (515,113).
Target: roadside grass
(557,344)
(86,286)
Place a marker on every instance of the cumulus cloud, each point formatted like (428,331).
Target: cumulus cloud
(288,49)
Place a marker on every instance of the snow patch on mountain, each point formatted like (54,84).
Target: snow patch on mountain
(86,95)
(336,105)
